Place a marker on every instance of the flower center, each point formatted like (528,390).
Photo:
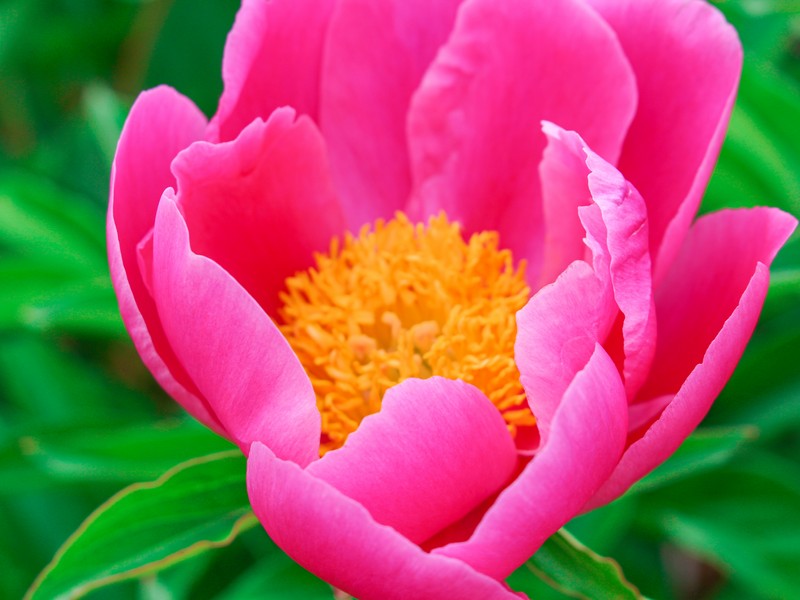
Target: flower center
(400,301)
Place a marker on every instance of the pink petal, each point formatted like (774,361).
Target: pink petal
(260,206)
(230,347)
(564,176)
(557,332)
(435,451)
(586,441)
(474,123)
(707,309)
(705,285)
(375,57)
(687,61)
(617,234)
(335,537)
(273,58)
(160,124)
(625,218)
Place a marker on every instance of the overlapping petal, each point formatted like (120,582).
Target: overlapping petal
(587,436)
(253,205)
(376,54)
(160,124)
(708,307)
(435,451)
(687,61)
(230,347)
(474,130)
(273,58)
(350,549)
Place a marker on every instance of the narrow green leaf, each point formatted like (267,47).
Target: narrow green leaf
(105,115)
(703,450)
(197,505)
(574,570)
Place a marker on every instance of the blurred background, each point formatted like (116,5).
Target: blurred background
(80,418)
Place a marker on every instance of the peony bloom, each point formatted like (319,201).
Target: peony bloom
(434,267)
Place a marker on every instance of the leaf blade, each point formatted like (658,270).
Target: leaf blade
(164,520)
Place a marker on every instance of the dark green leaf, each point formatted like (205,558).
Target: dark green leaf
(743,518)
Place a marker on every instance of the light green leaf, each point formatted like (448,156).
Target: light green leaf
(574,570)
(197,505)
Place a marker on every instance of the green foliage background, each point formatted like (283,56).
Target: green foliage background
(80,418)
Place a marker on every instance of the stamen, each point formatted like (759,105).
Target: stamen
(401,301)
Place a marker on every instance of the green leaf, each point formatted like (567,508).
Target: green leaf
(105,115)
(109,452)
(759,161)
(703,450)
(197,505)
(277,577)
(743,518)
(574,570)
(38,219)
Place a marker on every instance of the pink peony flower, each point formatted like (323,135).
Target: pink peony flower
(425,406)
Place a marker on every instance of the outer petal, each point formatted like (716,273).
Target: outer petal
(705,286)
(474,123)
(262,205)
(272,58)
(375,57)
(336,538)
(587,438)
(160,124)
(687,61)
(709,304)
(435,451)
(231,348)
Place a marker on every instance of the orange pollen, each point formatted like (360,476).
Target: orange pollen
(404,300)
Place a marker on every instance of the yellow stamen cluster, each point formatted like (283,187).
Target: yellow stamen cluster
(404,300)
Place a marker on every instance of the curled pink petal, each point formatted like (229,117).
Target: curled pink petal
(687,61)
(253,205)
(564,176)
(160,124)
(709,303)
(348,547)
(614,216)
(474,123)
(625,217)
(375,57)
(435,451)
(272,58)
(586,440)
(231,348)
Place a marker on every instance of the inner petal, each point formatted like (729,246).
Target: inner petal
(403,300)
